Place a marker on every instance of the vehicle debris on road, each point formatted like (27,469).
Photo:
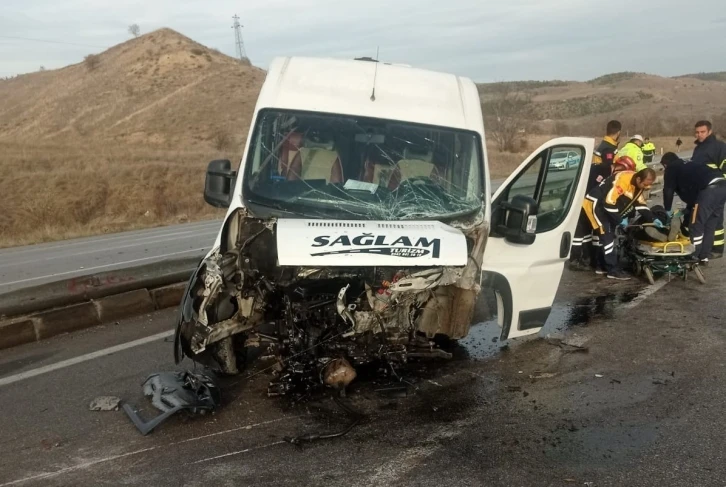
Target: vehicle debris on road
(171,392)
(105,403)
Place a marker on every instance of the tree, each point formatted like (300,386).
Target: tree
(507,113)
(42,68)
(135,30)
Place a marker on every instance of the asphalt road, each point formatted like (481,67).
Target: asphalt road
(641,406)
(23,267)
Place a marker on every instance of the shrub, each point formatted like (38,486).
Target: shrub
(92,61)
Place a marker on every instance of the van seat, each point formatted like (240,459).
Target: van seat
(316,160)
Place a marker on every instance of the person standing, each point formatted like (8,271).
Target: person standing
(585,242)
(633,150)
(703,190)
(711,152)
(648,151)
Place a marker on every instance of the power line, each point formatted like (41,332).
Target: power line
(238,39)
(52,42)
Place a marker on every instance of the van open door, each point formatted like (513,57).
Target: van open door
(534,215)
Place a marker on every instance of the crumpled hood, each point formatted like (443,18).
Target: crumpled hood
(302,242)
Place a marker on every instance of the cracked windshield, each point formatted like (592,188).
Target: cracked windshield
(336,166)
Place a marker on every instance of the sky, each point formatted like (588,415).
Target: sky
(486,40)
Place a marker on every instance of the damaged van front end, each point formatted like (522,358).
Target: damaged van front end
(324,296)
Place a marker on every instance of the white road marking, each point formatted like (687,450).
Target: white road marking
(650,290)
(246,450)
(81,466)
(87,465)
(83,271)
(83,358)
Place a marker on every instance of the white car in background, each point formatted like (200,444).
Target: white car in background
(564,160)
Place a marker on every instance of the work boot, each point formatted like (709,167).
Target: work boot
(716,255)
(618,275)
(600,271)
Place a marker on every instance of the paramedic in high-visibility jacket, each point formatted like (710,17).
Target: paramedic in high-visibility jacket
(703,190)
(648,151)
(585,245)
(633,150)
(611,203)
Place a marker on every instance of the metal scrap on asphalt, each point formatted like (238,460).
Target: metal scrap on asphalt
(171,392)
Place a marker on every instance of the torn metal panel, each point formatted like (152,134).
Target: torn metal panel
(171,392)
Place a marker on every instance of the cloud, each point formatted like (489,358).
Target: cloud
(488,41)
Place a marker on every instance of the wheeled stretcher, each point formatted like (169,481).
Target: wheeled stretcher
(652,259)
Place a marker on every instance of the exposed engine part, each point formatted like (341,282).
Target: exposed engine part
(212,285)
(171,392)
(338,374)
(344,310)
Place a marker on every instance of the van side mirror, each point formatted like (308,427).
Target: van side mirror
(219,183)
(519,220)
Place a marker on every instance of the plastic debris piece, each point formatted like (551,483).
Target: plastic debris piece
(171,392)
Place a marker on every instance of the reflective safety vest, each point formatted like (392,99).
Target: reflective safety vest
(634,152)
(649,149)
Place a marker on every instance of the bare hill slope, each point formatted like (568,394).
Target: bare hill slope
(661,106)
(162,88)
(120,140)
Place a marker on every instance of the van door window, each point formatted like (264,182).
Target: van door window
(551,186)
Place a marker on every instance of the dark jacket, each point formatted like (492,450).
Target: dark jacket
(711,151)
(686,180)
(602,166)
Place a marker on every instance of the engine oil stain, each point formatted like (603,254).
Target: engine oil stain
(483,340)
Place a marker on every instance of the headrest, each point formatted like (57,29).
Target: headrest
(417,153)
(318,143)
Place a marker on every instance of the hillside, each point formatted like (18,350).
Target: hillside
(162,89)
(120,140)
(645,103)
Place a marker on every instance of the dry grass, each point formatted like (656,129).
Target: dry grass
(58,192)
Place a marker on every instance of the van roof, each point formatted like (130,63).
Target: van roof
(345,86)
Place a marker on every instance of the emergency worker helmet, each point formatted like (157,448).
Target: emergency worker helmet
(625,163)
